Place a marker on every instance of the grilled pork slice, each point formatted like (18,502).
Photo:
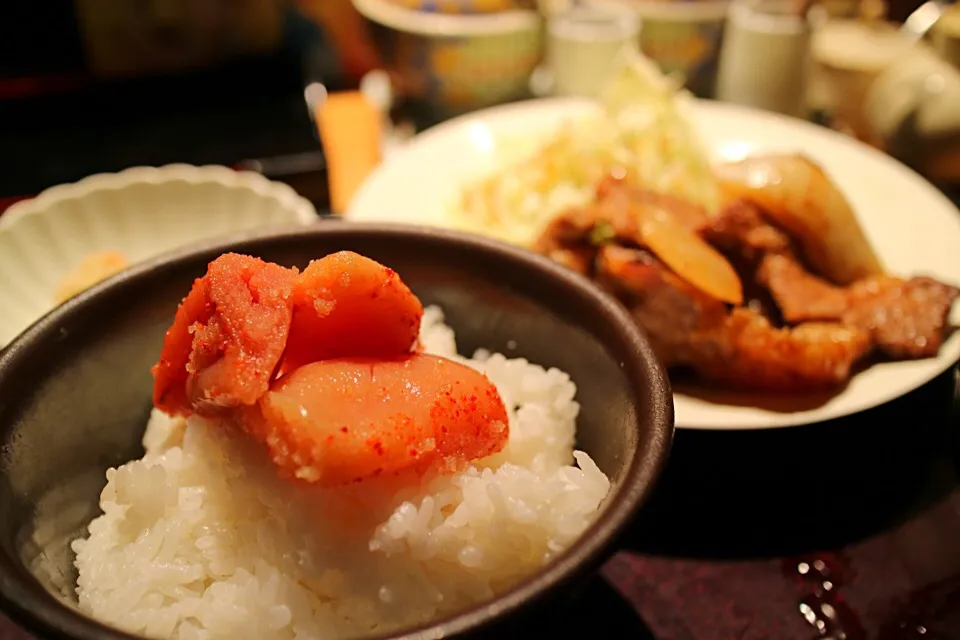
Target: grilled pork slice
(905,318)
(737,348)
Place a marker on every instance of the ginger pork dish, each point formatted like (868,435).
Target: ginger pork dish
(752,274)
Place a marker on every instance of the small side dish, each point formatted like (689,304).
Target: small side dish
(71,236)
(321,463)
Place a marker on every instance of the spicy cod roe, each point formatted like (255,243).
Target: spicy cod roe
(339,421)
(320,367)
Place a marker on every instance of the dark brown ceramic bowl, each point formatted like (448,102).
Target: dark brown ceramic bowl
(75,392)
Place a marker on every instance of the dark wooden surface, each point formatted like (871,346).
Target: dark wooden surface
(738,516)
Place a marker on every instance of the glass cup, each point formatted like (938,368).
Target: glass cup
(765,56)
(583,44)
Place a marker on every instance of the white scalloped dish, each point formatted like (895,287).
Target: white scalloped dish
(139,213)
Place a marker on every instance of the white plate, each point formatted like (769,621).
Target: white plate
(914,228)
(141,212)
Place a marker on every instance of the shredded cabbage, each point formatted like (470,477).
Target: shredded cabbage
(641,134)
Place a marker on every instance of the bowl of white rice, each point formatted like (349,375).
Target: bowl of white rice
(118,521)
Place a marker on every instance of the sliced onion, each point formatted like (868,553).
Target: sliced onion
(689,256)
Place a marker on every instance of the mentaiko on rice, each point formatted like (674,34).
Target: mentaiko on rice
(203,538)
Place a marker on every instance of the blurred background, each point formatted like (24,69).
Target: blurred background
(289,88)
(90,86)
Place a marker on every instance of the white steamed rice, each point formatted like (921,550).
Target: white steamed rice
(201,539)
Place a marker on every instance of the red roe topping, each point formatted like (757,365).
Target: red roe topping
(227,337)
(348,305)
(320,368)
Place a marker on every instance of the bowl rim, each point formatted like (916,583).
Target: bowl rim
(224,176)
(38,611)
(441,25)
(702,11)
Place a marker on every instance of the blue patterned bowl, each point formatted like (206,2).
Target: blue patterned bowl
(683,37)
(464,6)
(457,63)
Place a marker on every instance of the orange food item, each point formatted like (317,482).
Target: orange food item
(352,134)
(349,305)
(227,337)
(340,421)
(319,368)
(95,268)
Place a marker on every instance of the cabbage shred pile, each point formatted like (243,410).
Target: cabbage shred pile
(640,133)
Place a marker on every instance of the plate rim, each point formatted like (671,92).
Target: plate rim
(194,174)
(699,108)
(692,106)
